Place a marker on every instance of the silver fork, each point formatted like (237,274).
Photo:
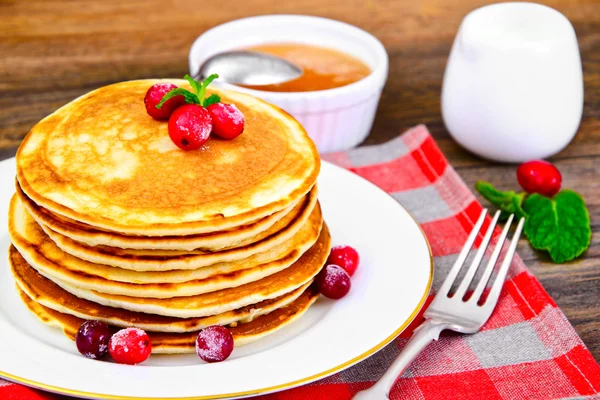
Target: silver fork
(448,311)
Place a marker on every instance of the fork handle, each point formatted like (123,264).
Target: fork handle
(427,332)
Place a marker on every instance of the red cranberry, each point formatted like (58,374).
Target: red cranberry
(346,257)
(190,126)
(92,339)
(228,121)
(214,343)
(539,177)
(155,94)
(130,346)
(333,281)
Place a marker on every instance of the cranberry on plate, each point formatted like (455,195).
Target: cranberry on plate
(333,282)
(92,339)
(214,344)
(346,257)
(130,346)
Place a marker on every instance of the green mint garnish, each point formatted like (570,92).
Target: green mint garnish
(189,97)
(197,97)
(200,87)
(509,202)
(212,99)
(558,225)
(196,86)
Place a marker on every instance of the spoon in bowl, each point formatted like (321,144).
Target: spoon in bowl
(249,68)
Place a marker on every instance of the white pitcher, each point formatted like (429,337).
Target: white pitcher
(513,86)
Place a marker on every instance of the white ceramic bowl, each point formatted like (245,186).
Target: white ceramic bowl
(336,119)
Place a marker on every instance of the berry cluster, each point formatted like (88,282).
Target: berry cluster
(132,346)
(334,279)
(192,118)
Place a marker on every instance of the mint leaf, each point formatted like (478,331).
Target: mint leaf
(202,90)
(193,98)
(212,99)
(189,97)
(196,86)
(509,202)
(559,225)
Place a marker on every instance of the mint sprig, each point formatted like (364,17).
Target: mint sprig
(196,97)
(189,97)
(558,225)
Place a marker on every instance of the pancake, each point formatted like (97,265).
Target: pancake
(212,241)
(101,160)
(173,343)
(140,260)
(50,261)
(287,225)
(273,286)
(48,294)
(43,253)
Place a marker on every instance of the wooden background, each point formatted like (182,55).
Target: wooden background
(53,51)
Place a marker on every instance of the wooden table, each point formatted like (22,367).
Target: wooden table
(53,51)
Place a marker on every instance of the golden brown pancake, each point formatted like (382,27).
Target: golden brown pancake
(171,343)
(103,161)
(47,293)
(140,260)
(276,285)
(43,255)
(41,251)
(211,241)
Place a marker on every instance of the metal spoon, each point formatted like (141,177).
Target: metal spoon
(249,68)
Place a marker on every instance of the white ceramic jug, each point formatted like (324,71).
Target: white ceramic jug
(513,86)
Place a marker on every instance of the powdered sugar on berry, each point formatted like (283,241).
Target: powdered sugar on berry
(127,337)
(333,281)
(227,120)
(334,275)
(92,339)
(214,343)
(234,114)
(130,346)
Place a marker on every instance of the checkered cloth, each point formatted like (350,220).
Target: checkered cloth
(527,350)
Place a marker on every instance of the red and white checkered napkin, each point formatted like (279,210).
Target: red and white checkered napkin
(527,350)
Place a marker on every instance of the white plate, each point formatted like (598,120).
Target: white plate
(388,290)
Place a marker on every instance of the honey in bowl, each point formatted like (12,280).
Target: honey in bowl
(323,68)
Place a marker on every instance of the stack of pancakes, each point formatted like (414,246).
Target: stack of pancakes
(112,222)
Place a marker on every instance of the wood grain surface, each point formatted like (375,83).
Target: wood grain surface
(53,51)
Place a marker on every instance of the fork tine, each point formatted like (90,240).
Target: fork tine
(464,285)
(492,262)
(445,288)
(499,282)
